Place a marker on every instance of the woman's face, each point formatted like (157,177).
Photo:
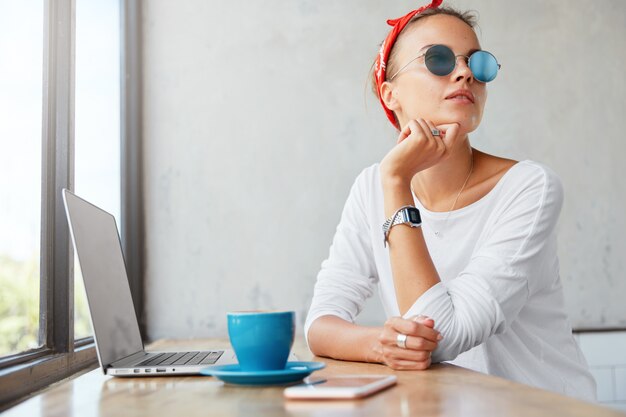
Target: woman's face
(420,93)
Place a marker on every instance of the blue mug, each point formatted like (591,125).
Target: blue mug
(261,340)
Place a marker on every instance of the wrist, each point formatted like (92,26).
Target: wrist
(395,182)
(389,174)
(374,350)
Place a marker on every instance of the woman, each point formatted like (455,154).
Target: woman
(475,281)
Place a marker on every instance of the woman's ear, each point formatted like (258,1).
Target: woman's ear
(388,96)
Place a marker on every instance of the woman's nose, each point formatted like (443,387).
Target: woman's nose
(462,68)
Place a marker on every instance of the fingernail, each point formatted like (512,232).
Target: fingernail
(440,337)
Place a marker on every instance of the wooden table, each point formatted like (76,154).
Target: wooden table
(443,390)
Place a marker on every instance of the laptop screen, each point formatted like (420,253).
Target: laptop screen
(108,293)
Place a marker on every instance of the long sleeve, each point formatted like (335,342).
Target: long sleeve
(504,269)
(347,276)
(499,305)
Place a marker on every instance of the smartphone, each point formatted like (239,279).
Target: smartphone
(340,387)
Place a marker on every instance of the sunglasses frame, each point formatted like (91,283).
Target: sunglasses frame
(467,59)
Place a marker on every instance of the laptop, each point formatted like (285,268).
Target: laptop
(116,330)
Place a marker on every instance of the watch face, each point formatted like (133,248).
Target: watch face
(414,216)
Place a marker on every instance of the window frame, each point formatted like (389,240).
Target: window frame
(60,356)
(132,210)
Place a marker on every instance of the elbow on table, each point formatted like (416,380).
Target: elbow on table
(314,347)
(314,338)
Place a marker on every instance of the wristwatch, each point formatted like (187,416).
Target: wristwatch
(408,215)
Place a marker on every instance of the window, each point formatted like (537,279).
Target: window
(21,54)
(97,126)
(60,62)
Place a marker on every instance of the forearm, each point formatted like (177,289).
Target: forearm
(333,337)
(411,265)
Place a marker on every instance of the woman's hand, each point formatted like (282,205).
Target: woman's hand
(417,149)
(421,340)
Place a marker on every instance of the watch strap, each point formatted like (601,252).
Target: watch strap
(408,215)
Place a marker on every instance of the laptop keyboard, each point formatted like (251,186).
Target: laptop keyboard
(183,358)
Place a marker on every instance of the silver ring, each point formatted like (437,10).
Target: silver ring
(401,340)
(435,132)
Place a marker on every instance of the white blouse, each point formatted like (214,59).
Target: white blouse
(499,304)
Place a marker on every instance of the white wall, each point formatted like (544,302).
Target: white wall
(256,123)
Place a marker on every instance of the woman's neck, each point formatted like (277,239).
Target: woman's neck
(438,186)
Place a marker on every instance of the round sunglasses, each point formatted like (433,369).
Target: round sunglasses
(440,60)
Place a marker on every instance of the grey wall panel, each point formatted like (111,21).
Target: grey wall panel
(256,123)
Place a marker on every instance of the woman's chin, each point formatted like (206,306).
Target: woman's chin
(466,128)
(466,125)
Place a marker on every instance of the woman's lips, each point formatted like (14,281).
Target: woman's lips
(461,96)
(460,100)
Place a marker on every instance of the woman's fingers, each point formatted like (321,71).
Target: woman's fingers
(419,343)
(416,353)
(427,132)
(441,146)
(403,365)
(417,149)
(426,321)
(447,128)
(416,128)
(404,133)
(411,127)
(425,128)
(434,144)
(396,353)
(413,328)
(449,133)
(390,338)
(405,359)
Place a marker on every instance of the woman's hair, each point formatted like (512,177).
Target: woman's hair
(467,17)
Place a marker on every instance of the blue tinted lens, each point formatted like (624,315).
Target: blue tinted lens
(484,66)
(439,60)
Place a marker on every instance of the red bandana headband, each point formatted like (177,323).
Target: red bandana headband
(381,60)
